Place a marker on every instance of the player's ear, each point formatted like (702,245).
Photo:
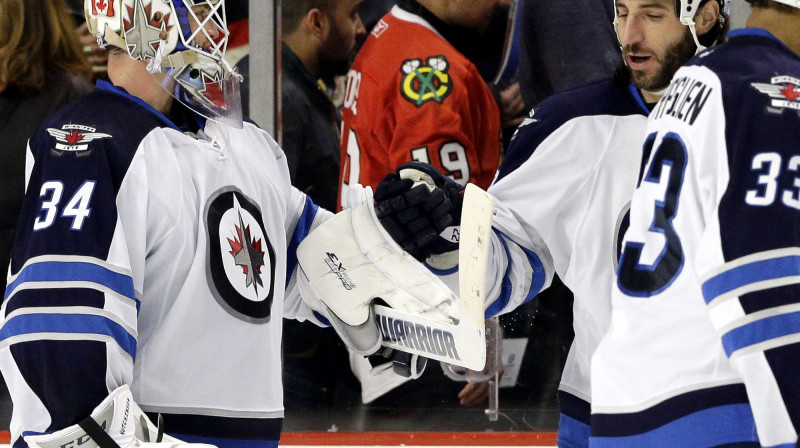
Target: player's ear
(317,23)
(706,17)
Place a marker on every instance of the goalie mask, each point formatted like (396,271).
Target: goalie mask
(184,42)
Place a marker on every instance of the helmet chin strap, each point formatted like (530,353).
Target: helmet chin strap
(689,21)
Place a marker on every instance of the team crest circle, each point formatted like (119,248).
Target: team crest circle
(423,83)
(241,258)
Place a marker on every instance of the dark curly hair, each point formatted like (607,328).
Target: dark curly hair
(293,10)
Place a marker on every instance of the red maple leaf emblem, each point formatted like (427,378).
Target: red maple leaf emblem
(791,92)
(98,6)
(74,137)
(237,244)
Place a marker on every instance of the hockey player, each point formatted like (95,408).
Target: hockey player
(708,278)
(155,250)
(565,184)
(412,96)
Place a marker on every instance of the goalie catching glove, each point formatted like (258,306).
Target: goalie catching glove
(421,209)
(375,294)
(117,422)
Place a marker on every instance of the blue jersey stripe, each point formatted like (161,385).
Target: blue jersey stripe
(572,433)
(505,286)
(709,427)
(69,323)
(754,272)
(637,97)
(760,331)
(74,271)
(301,230)
(537,280)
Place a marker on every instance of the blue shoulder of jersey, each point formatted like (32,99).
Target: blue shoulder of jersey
(82,154)
(606,97)
(749,53)
(103,129)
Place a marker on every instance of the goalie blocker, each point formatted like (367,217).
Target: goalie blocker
(375,294)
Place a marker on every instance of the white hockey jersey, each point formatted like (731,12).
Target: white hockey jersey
(707,293)
(562,195)
(151,257)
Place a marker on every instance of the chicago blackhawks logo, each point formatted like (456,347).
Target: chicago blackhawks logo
(241,268)
(424,83)
(74,138)
(784,91)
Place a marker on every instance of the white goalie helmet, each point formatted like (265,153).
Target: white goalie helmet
(184,42)
(686,10)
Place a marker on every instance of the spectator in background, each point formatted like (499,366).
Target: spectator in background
(565,44)
(42,67)
(372,10)
(95,56)
(485,50)
(319,40)
(411,95)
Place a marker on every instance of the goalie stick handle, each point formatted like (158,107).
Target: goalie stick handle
(473,253)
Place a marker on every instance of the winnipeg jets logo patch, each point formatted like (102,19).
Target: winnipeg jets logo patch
(784,91)
(426,82)
(241,261)
(74,138)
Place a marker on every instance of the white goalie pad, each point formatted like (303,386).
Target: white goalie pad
(119,417)
(377,294)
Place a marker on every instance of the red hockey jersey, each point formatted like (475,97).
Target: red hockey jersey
(412,96)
